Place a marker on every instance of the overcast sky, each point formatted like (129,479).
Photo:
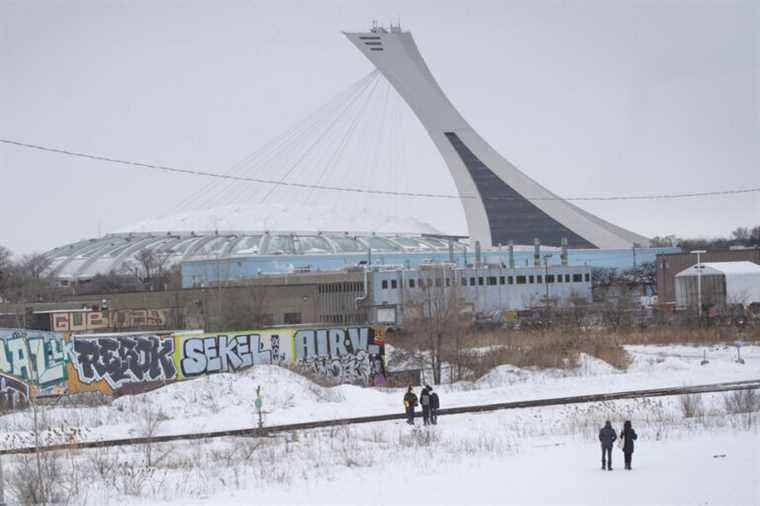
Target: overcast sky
(607,98)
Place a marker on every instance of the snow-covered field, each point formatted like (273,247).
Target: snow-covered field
(531,456)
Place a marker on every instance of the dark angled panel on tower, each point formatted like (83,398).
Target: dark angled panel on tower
(511,216)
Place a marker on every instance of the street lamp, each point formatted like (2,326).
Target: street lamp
(699,268)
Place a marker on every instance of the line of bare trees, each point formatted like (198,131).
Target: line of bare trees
(26,278)
(23,279)
(741,236)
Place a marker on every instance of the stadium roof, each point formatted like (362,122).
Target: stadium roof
(119,252)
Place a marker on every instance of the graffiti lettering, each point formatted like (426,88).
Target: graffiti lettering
(54,362)
(124,360)
(352,355)
(33,356)
(222,353)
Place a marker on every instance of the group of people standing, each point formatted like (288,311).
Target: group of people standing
(607,437)
(428,400)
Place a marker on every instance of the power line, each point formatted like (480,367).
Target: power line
(276,183)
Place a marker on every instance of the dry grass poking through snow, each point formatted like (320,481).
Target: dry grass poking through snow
(202,469)
(560,348)
(544,350)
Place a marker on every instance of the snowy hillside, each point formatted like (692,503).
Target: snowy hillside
(529,456)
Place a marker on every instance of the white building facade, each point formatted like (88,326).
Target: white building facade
(486,289)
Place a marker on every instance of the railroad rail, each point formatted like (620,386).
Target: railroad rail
(265,431)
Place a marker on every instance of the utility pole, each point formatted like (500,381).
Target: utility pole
(34,378)
(699,268)
(546,279)
(633,247)
(258,403)
(2,489)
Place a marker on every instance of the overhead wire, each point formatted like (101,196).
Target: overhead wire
(372,191)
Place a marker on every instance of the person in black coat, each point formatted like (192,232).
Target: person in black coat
(410,402)
(425,403)
(628,436)
(607,436)
(434,405)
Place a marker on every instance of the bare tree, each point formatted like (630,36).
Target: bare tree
(34,265)
(741,234)
(436,321)
(24,280)
(6,264)
(151,267)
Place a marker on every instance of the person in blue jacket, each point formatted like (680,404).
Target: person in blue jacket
(607,437)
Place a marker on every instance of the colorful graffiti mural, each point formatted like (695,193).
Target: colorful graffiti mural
(55,363)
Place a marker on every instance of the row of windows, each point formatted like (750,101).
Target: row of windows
(341,287)
(527,279)
(343,318)
(416,283)
(492,280)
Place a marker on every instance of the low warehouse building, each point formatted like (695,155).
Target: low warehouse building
(722,283)
(488,288)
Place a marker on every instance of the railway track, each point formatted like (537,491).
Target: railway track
(482,408)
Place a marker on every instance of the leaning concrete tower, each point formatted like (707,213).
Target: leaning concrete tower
(508,205)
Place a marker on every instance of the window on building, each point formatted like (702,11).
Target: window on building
(511,280)
(412,282)
(550,278)
(77,319)
(587,277)
(539,279)
(293,318)
(480,281)
(567,278)
(521,280)
(448,281)
(394,284)
(559,278)
(385,284)
(438,282)
(472,281)
(577,278)
(501,280)
(429,282)
(531,279)
(491,280)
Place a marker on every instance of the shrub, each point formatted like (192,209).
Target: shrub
(691,405)
(742,401)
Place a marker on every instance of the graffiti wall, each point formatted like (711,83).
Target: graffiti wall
(54,363)
(81,320)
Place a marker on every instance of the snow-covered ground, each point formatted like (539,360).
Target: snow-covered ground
(720,470)
(531,456)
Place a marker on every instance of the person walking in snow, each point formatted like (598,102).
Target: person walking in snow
(434,405)
(425,403)
(410,402)
(607,436)
(628,436)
